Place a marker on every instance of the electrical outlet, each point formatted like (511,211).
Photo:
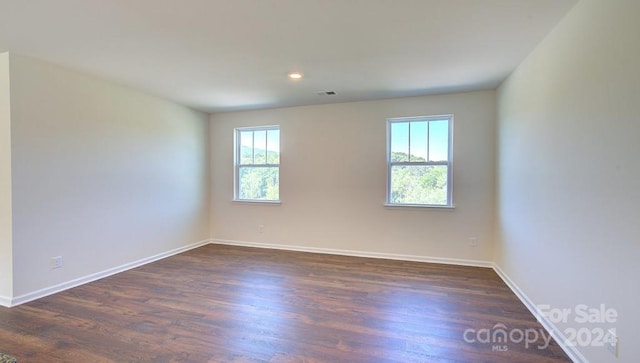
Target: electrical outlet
(611,342)
(473,241)
(56,262)
(261,228)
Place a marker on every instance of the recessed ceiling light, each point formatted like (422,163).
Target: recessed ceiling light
(295,75)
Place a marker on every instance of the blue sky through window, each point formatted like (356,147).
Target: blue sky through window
(422,139)
(272,139)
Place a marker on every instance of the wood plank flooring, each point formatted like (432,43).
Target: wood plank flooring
(236,304)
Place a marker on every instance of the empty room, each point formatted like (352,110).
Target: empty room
(319,181)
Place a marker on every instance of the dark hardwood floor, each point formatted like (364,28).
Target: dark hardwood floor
(235,304)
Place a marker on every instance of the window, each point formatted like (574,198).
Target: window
(257,164)
(419,168)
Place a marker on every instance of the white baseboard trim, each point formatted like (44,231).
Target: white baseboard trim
(5,301)
(332,251)
(555,332)
(98,275)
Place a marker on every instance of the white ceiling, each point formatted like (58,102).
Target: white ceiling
(223,55)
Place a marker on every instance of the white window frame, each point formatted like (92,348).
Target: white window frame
(237,166)
(448,163)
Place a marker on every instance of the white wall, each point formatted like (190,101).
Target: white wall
(102,175)
(6,260)
(333,180)
(568,171)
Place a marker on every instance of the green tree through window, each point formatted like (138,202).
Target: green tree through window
(419,161)
(257,164)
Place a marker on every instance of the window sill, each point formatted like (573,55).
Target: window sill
(250,201)
(425,206)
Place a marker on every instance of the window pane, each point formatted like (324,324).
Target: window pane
(273,147)
(439,140)
(260,147)
(246,147)
(418,184)
(259,183)
(400,141)
(418,141)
